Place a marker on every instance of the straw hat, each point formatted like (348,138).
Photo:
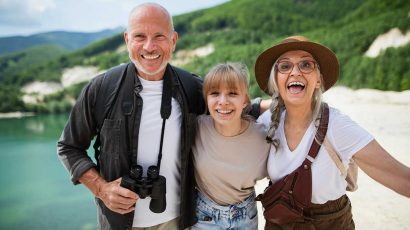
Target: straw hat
(327,60)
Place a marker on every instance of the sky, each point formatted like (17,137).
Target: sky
(26,17)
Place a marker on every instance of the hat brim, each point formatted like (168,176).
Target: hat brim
(327,60)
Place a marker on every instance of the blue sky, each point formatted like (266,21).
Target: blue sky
(25,17)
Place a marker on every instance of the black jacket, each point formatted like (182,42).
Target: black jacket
(114,161)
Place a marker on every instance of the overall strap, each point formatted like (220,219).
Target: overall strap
(319,136)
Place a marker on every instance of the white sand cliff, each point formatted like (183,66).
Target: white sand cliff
(393,38)
(34,92)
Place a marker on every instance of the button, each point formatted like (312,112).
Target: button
(305,166)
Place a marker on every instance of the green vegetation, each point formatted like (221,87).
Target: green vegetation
(241,29)
(68,40)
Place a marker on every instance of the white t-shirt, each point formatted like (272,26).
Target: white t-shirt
(148,149)
(345,135)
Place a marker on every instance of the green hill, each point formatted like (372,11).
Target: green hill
(240,29)
(68,40)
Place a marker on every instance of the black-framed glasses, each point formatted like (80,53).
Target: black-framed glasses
(305,66)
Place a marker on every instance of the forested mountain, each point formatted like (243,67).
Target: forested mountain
(68,40)
(240,29)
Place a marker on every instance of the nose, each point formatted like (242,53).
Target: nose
(295,70)
(149,45)
(223,99)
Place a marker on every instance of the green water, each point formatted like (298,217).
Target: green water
(36,191)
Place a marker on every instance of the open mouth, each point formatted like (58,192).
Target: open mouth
(296,87)
(150,57)
(224,111)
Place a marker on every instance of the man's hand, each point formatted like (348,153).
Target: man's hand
(117,198)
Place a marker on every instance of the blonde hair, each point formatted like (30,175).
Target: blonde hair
(277,105)
(235,76)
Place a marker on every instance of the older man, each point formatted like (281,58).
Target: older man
(131,133)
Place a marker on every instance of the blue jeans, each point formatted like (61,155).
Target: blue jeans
(238,216)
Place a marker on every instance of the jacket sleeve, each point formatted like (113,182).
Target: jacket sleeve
(255,110)
(79,131)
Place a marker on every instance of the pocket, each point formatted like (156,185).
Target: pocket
(204,213)
(280,212)
(110,148)
(252,210)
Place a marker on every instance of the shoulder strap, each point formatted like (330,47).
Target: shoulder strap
(192,88)
(107,95)
(320,135)
(335,157)
(108,92)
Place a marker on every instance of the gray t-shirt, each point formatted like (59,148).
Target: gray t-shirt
(227,168)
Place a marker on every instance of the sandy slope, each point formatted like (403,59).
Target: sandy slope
(386,115)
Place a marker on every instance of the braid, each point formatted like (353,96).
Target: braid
(275,108)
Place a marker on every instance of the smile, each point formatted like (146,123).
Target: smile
(223,111)
(150,57)
(296,87)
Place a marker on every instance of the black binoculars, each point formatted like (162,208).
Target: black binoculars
(153,185)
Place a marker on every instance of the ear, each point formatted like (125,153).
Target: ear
(126,37)
(174,40)
(318,82)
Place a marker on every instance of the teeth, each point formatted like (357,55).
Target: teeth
(150,57)
(224,111)
(297,83)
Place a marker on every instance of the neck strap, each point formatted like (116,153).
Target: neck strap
(165,110)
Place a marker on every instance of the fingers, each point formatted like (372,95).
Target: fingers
(117,198)
(127,193)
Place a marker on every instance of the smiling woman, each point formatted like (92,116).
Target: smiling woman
(294,132)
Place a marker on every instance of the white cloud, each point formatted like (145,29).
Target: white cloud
(39,6)
(24,17)
(23,12)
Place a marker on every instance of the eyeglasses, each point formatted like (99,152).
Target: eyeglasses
(305,66)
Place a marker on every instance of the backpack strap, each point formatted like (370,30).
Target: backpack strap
(192,88)
(108,92)
(107,95)
(335,157)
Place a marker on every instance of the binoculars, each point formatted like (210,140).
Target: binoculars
(153,185)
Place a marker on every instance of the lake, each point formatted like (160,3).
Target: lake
(36,190)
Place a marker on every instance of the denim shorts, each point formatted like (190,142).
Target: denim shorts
(238,216)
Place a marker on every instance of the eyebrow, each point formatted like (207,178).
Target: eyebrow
(286,58)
